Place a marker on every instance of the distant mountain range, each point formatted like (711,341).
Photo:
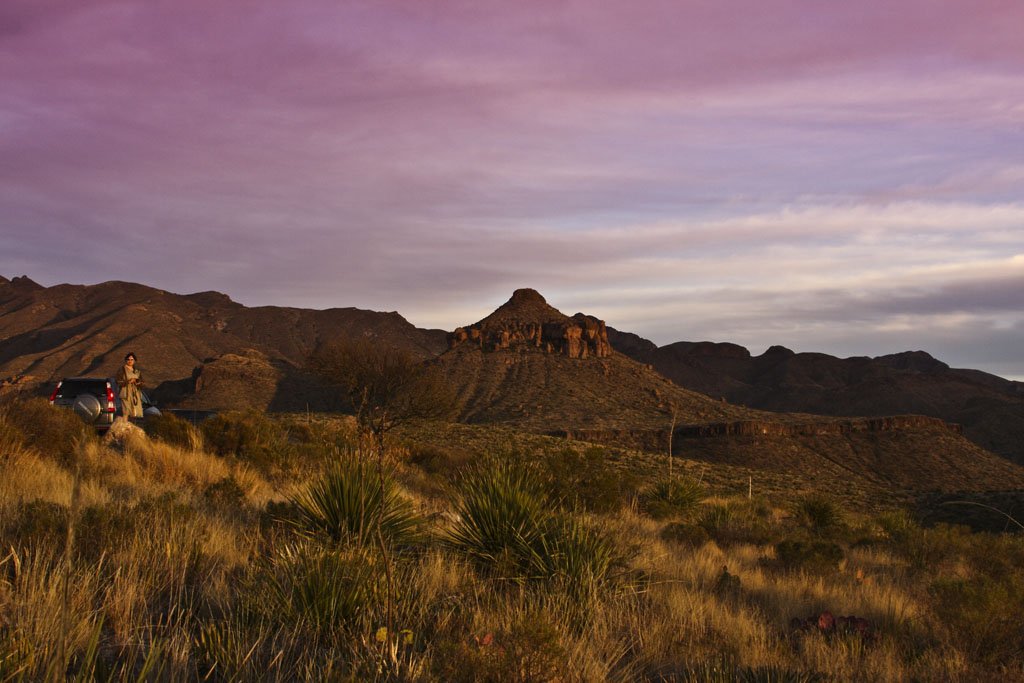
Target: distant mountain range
(530,367)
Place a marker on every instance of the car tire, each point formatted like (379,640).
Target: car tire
(87,407)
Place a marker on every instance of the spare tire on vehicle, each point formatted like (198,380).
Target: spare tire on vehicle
(87,407)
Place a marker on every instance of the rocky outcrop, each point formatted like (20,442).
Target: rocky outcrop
(527,320)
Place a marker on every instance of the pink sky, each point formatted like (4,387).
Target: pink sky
(839,179)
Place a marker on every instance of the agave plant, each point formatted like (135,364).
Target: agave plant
(346,503)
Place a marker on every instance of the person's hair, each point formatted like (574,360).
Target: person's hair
(129,355)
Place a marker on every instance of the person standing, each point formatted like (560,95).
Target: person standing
(129,382)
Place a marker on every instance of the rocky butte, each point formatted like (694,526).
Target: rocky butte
(527,320)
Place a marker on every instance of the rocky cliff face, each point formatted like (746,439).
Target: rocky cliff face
(527,320)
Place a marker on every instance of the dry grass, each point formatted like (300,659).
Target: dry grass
(168,577)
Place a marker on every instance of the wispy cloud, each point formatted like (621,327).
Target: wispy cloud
(763,172)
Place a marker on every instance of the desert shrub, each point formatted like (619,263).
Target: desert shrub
(440,461)
(527,651)
(818,514)
(672,497)
(928,549)
(52,431)
(583,480)
(347,501)
(38,522)
(174,431)
(254,438)
(690,535)
(503,526)
(225,493)
(100,529)
(982,615)
(807,555)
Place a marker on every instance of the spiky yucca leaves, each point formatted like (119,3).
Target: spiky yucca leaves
(818,514)
(346,502)
(503,526)
(672,497)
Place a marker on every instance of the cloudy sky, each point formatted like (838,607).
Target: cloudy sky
(846,179)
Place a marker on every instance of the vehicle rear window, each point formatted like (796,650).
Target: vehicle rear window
(72,388)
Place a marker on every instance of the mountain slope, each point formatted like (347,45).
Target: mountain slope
(50,332)
(990,408)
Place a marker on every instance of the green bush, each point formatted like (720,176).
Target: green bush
(690,535)
(174,431)
(226,494)
(347,501)
(443,462)
(982,615)
(38,522)
(672,497)
(53,432)
(807,555)
(583,480)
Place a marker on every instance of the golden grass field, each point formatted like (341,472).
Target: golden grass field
(184,555)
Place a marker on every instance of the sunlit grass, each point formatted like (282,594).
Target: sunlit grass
(180,565)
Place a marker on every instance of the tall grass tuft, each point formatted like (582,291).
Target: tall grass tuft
(346,502)
(323,590)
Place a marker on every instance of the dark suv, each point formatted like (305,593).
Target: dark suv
(94,399)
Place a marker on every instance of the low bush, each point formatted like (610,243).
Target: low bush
(982,615)
(583,480)
(672,497)
(38,522)
(690,535)
(807,555)
(174,431)
(225,494)
(53,432)
(528,651)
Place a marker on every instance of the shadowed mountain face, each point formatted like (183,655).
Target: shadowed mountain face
(67,330)
(990,408)
(505,372)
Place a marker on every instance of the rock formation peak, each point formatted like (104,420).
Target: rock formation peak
(526,320)
(527,296)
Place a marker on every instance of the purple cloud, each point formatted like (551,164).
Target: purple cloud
(431,157)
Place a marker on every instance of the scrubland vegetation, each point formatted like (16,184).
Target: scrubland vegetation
(248,550)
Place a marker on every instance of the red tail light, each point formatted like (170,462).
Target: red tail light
(53,396)
(110,399)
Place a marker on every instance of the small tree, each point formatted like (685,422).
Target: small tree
(387,387)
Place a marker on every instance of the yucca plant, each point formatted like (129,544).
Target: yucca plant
(818,514)
(346,502)
(503,525)
(500,509)
(672,497)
